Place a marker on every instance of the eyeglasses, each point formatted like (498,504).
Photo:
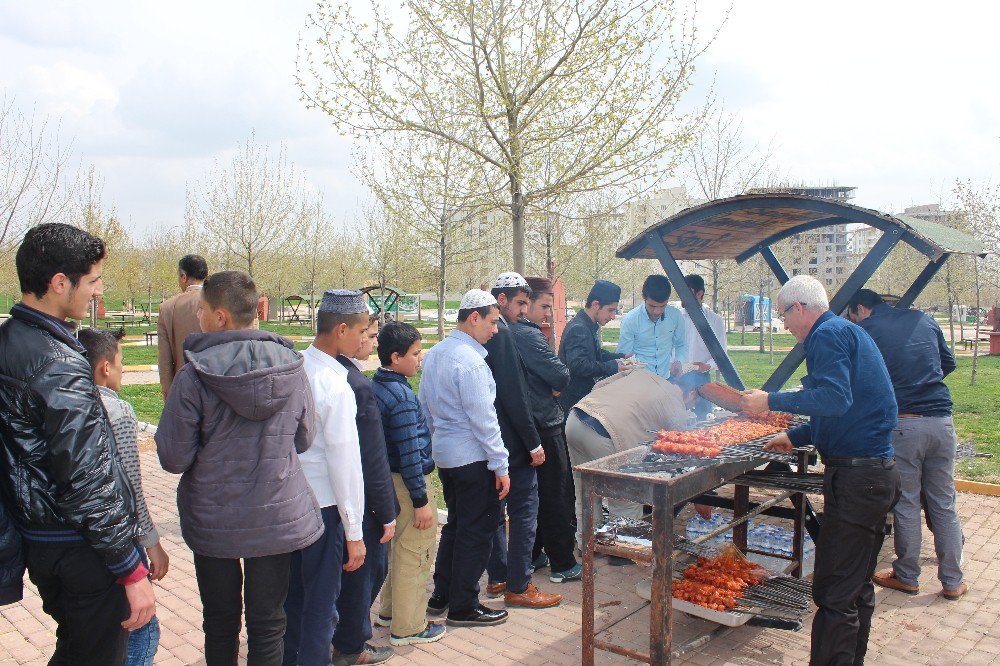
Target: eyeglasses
(785,312)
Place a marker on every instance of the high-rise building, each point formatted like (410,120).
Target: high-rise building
(823,253)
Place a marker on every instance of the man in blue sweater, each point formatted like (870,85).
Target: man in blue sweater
(848,395)
(403,603)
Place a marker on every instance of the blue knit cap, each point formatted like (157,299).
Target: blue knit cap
(343,301)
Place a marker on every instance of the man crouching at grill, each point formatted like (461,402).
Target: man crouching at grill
(848,395)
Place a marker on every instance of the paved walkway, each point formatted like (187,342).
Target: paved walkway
(923,629)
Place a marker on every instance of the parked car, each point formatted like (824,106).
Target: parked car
(451,316)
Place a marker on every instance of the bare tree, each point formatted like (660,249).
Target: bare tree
(33,167)
(252,209)
(981,207)
(439,194)
(589,86)
(722,163)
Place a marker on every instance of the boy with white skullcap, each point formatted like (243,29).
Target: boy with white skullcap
(457,394)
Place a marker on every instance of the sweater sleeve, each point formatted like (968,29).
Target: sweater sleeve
(125,429)
(405,436)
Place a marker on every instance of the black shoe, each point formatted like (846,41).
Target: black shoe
(436,605)
(481,616)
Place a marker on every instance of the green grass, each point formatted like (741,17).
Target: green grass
(146,399)
(132,355)
(976,410)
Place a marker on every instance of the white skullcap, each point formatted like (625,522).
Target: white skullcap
(476,298)
(511,279)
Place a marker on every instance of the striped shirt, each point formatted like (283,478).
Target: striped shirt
(124,427)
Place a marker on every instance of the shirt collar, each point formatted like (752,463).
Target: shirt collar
(194,286)
(823,318)
(324,359)
(466,339)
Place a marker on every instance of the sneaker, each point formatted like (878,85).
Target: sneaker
(540,562)
(480,616)
(573,573)
(433,632)
(436,605)
(369,655)
(382,620)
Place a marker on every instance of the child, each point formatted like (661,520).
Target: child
(105,356)
(333,468)
(408,442)
(236,414)
(359,588)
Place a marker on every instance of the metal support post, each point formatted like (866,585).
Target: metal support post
(694,311)
(660,609)
(855,281)
(775,265)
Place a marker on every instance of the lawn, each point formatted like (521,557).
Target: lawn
(976,407)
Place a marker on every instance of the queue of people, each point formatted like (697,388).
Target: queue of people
(305,488)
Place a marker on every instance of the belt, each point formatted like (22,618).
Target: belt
(856,462)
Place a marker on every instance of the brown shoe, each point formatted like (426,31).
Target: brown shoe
(494,590)
(532,598)
(888,579)
(956,594)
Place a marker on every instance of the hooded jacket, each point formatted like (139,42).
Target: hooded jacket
(237,413)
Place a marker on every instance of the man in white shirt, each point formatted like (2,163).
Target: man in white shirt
(697,349)
(333,468)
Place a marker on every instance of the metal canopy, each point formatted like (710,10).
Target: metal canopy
(740,227)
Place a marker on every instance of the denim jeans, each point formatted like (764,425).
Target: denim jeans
(142,644)
(222,584)
(313,587)
(358,591)
(510,558)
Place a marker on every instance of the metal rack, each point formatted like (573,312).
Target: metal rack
(604,478)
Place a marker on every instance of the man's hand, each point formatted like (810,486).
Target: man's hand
(388,531)
(355,555)
(701,367)
(141,603)
(537,457)
(675,368)
(780,443)
(556,394)
(423,517)
(159,561)
(754,401)
(503,485)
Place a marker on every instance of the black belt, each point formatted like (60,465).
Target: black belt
(856,462)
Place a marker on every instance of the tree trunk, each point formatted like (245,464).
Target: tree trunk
(715,285)
(951,306)
(760,310)
(975,344)
(517,224)
(442,283)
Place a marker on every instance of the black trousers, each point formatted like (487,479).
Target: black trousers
(556,513)
(81,595)
(855,503)
(359,589)
(222,584)
(473,511)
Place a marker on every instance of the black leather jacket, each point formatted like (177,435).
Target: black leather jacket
(588,362)
(544,373)
(59,477)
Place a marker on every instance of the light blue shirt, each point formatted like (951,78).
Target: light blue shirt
(653,342)
(457,393)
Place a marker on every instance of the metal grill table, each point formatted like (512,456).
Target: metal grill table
(603,478)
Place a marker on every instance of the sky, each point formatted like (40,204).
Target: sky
(895,98)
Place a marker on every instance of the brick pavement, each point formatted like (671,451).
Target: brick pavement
(923,629)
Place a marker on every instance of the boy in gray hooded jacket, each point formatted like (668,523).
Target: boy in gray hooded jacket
(236,414)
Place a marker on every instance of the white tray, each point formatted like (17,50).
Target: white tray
(727,618)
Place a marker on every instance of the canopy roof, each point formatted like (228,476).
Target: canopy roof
(739,227)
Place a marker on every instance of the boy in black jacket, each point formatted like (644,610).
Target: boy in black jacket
(509,569)
(359,588)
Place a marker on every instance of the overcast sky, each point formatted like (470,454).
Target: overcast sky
(895,98)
